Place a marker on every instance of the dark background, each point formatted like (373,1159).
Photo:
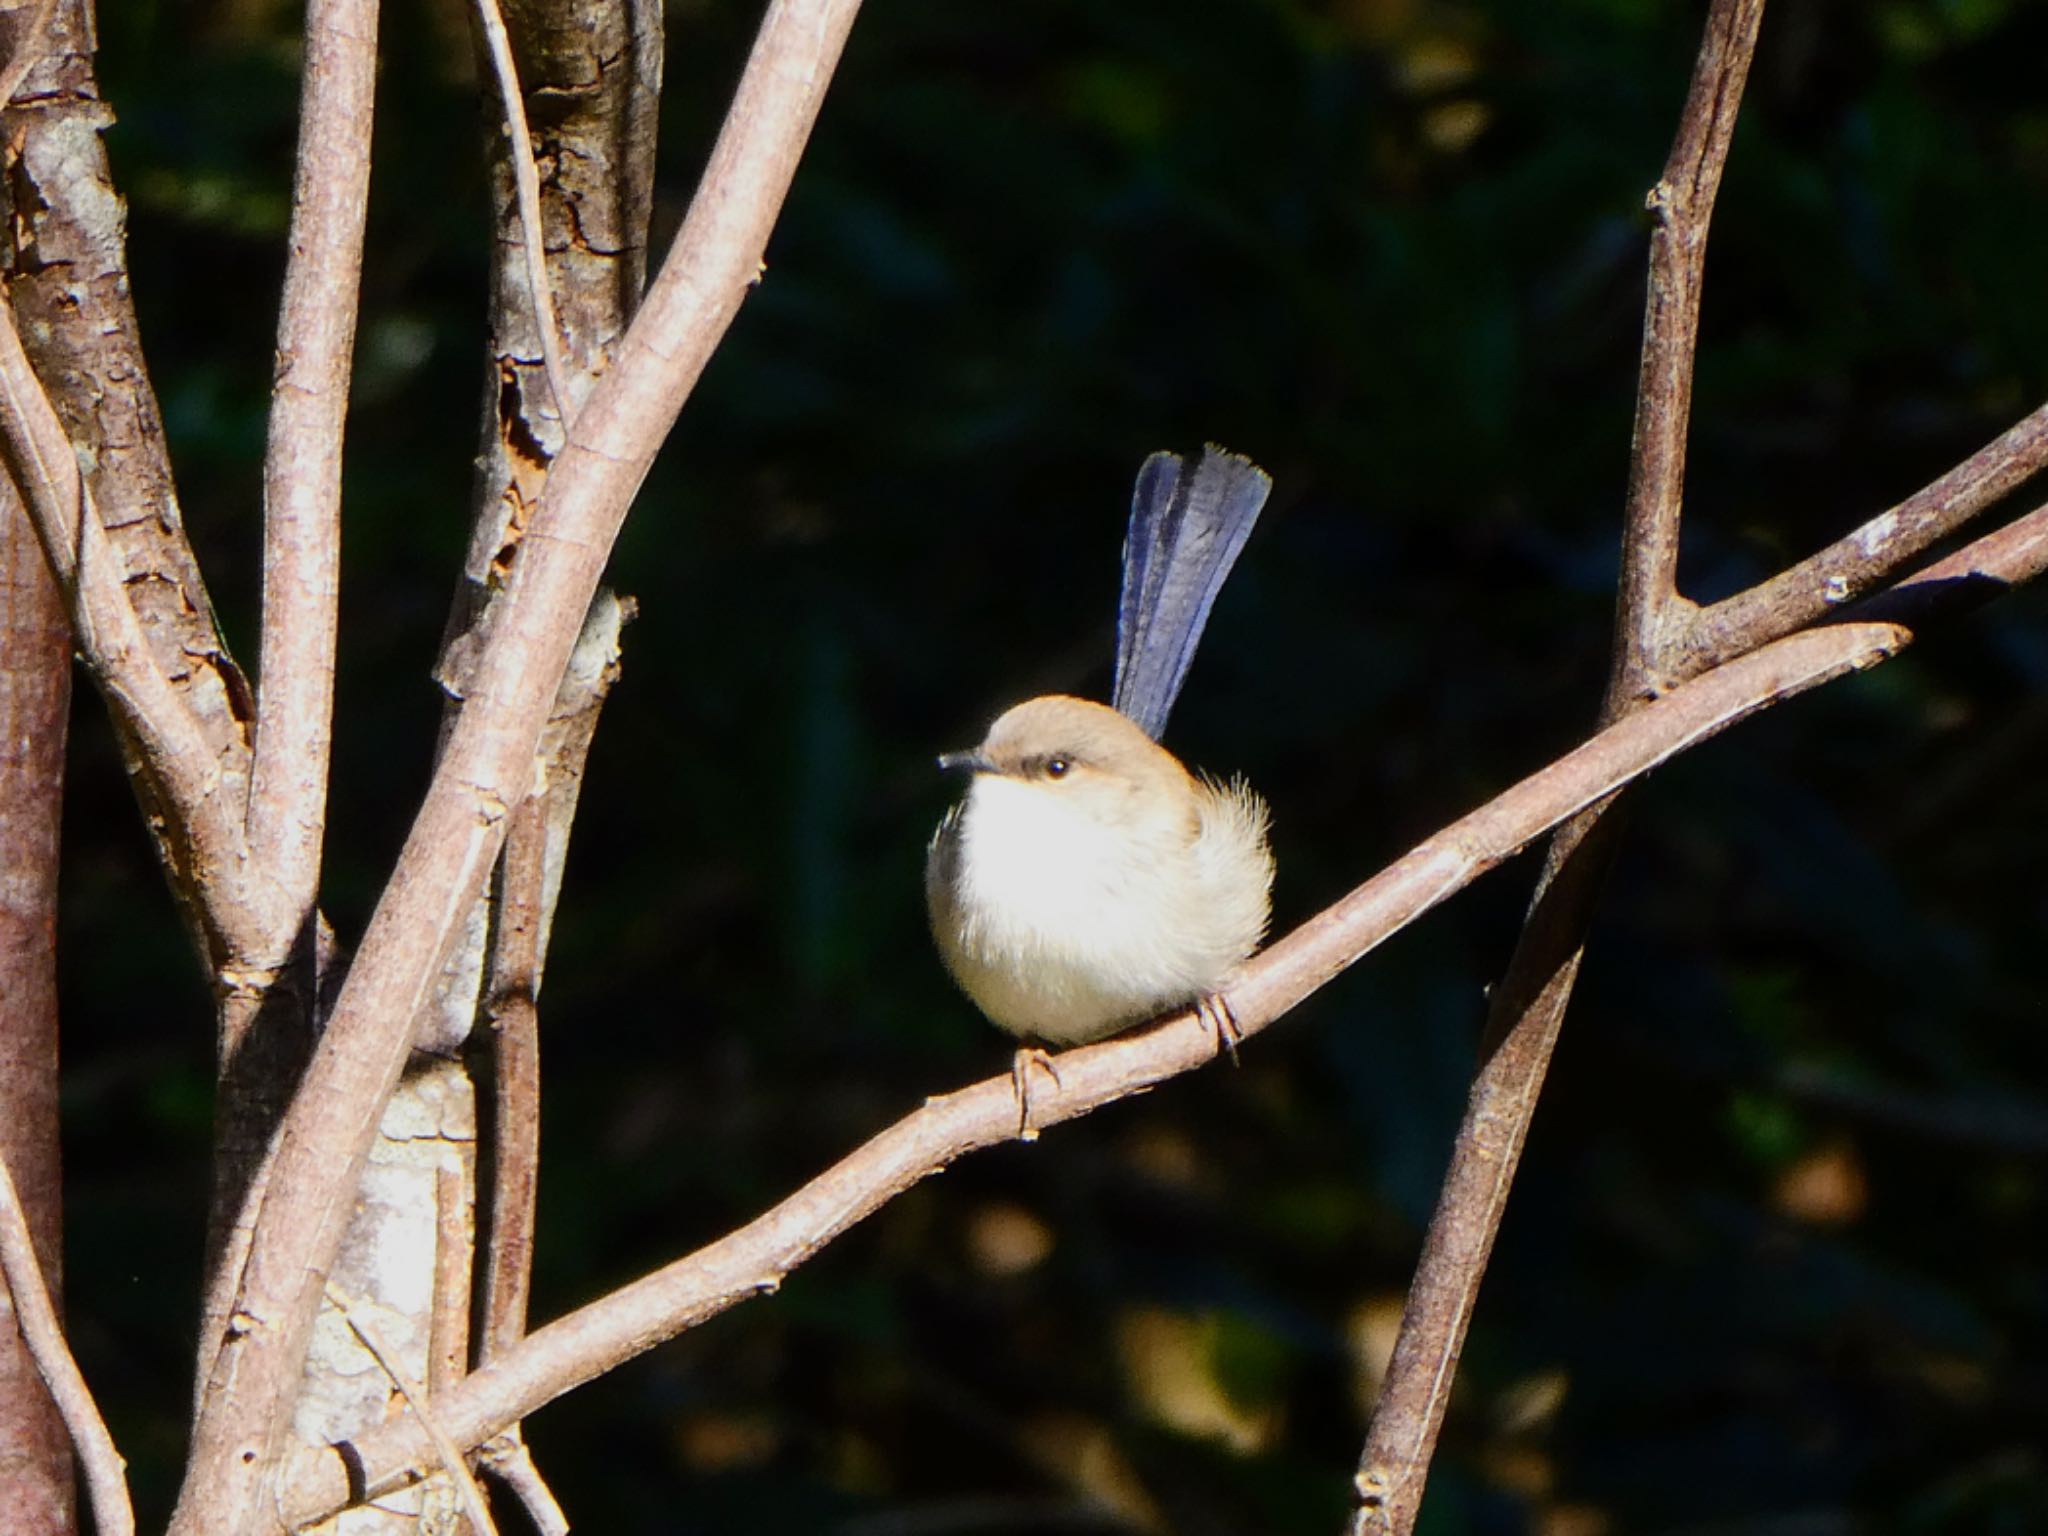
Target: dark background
(1776,1262)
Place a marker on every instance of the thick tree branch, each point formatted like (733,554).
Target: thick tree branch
(105,1479)
(207,833)
(754,1259)
(570,263)
(69,284)
(1651,625)
(35,705)
(68,280)
(302,464)
(1649,616)
(35,699)
(529,881)
(582,85)
(285,818)
(487,766)
(583,73)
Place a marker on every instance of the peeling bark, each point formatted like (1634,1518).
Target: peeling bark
(67,271)
(591,78)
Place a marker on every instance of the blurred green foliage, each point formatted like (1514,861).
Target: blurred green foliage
(1775,1263)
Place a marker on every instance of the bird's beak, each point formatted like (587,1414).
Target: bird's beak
(974,760)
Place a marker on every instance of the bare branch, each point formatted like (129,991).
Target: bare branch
(1649,618)
(487,766)
(35,704)
(105,1477)
(1503,1096)
(285,819)
(754,1259)
(68,281)
(35,699)
(1864,560)
(1979,571)
(515,1100)
(105,629)
(1528,1007)
(1524,1017)
(529,883)
(448,1324)
(302,464)
(596,68)
(512,1464)
(1651,625)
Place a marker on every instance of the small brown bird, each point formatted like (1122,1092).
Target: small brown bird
(1088,881)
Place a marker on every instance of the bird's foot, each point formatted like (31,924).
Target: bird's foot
(1214,1010)
(1027,1057)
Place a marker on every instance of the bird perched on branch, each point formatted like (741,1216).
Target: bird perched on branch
(1088,880)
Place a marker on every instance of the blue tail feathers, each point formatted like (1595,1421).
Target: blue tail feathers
(1186,530)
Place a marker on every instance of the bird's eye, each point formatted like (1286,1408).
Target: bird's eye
(1056,767)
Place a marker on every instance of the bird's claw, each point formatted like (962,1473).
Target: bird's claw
(1214,1010)
(1027,1057)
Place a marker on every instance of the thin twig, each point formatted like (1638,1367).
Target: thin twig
(754,1259)
(2006,557)
(1649,613)
(1866,559)
(487,767)
(316,331)
(105,1473)
(1651,625)
(512,1464)
(452,1460)
(526,183)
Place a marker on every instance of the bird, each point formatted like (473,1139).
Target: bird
(1088,881)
